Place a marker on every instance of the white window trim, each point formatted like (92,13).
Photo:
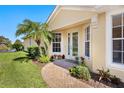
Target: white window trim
(86,57)
(57,53)
(109,39)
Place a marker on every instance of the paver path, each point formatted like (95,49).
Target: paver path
(58,77)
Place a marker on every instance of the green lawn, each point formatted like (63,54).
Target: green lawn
(15,74)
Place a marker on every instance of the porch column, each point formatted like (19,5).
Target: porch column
(98,41)
(94,28)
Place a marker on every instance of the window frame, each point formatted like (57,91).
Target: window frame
(108,39)
(56,43)
(120,38)
(85,41)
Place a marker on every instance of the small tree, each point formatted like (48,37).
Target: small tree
(5,41)
(18,45)
(36,30)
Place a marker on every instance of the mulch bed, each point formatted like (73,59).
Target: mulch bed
(39,64)
(94,81)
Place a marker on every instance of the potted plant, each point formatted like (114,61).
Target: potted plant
(78,59)
(63,56)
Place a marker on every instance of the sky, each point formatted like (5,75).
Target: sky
(11,16)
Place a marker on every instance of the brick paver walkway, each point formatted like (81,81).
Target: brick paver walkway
(58,77)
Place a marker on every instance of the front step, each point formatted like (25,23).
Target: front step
(66,63)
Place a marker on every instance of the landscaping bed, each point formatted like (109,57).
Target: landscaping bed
(104,79)
(94,81)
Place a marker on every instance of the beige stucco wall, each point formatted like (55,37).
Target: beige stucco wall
(99,49)
(68,17)
(98,43)
(80,29)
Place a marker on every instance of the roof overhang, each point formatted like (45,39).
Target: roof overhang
(90,8)
(73,25)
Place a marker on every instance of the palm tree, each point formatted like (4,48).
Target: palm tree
(38,31)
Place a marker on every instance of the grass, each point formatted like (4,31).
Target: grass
(16,74)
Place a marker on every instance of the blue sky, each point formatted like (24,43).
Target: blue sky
(11,16)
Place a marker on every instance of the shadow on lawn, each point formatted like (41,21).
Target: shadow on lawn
(22,59)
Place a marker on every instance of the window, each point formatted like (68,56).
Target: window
(69,43)
(87,42)
(75,44)
(118,38)
(57,43)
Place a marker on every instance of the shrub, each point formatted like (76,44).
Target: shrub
(44,59)
(80,72)
(73,71)
(59,56)
(55,57)
(104,75)
(18,47)
(52,58)
(33,52)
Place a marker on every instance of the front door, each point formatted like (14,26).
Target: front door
(72,45)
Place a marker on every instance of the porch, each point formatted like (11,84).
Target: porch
(72,42)
(66,63)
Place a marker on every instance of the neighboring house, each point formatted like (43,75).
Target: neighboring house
(29,42)
(3,47)
(93,32)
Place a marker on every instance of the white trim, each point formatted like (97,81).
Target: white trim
(61,46)
(80,8)
(109,63)
(86,57)
(71,46)
(53,13)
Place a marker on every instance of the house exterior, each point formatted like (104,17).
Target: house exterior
(93,32)
(3,47)
(29,42)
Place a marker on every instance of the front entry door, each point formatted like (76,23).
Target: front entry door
(72,45)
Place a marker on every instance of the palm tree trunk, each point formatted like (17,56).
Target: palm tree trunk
(38,43)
